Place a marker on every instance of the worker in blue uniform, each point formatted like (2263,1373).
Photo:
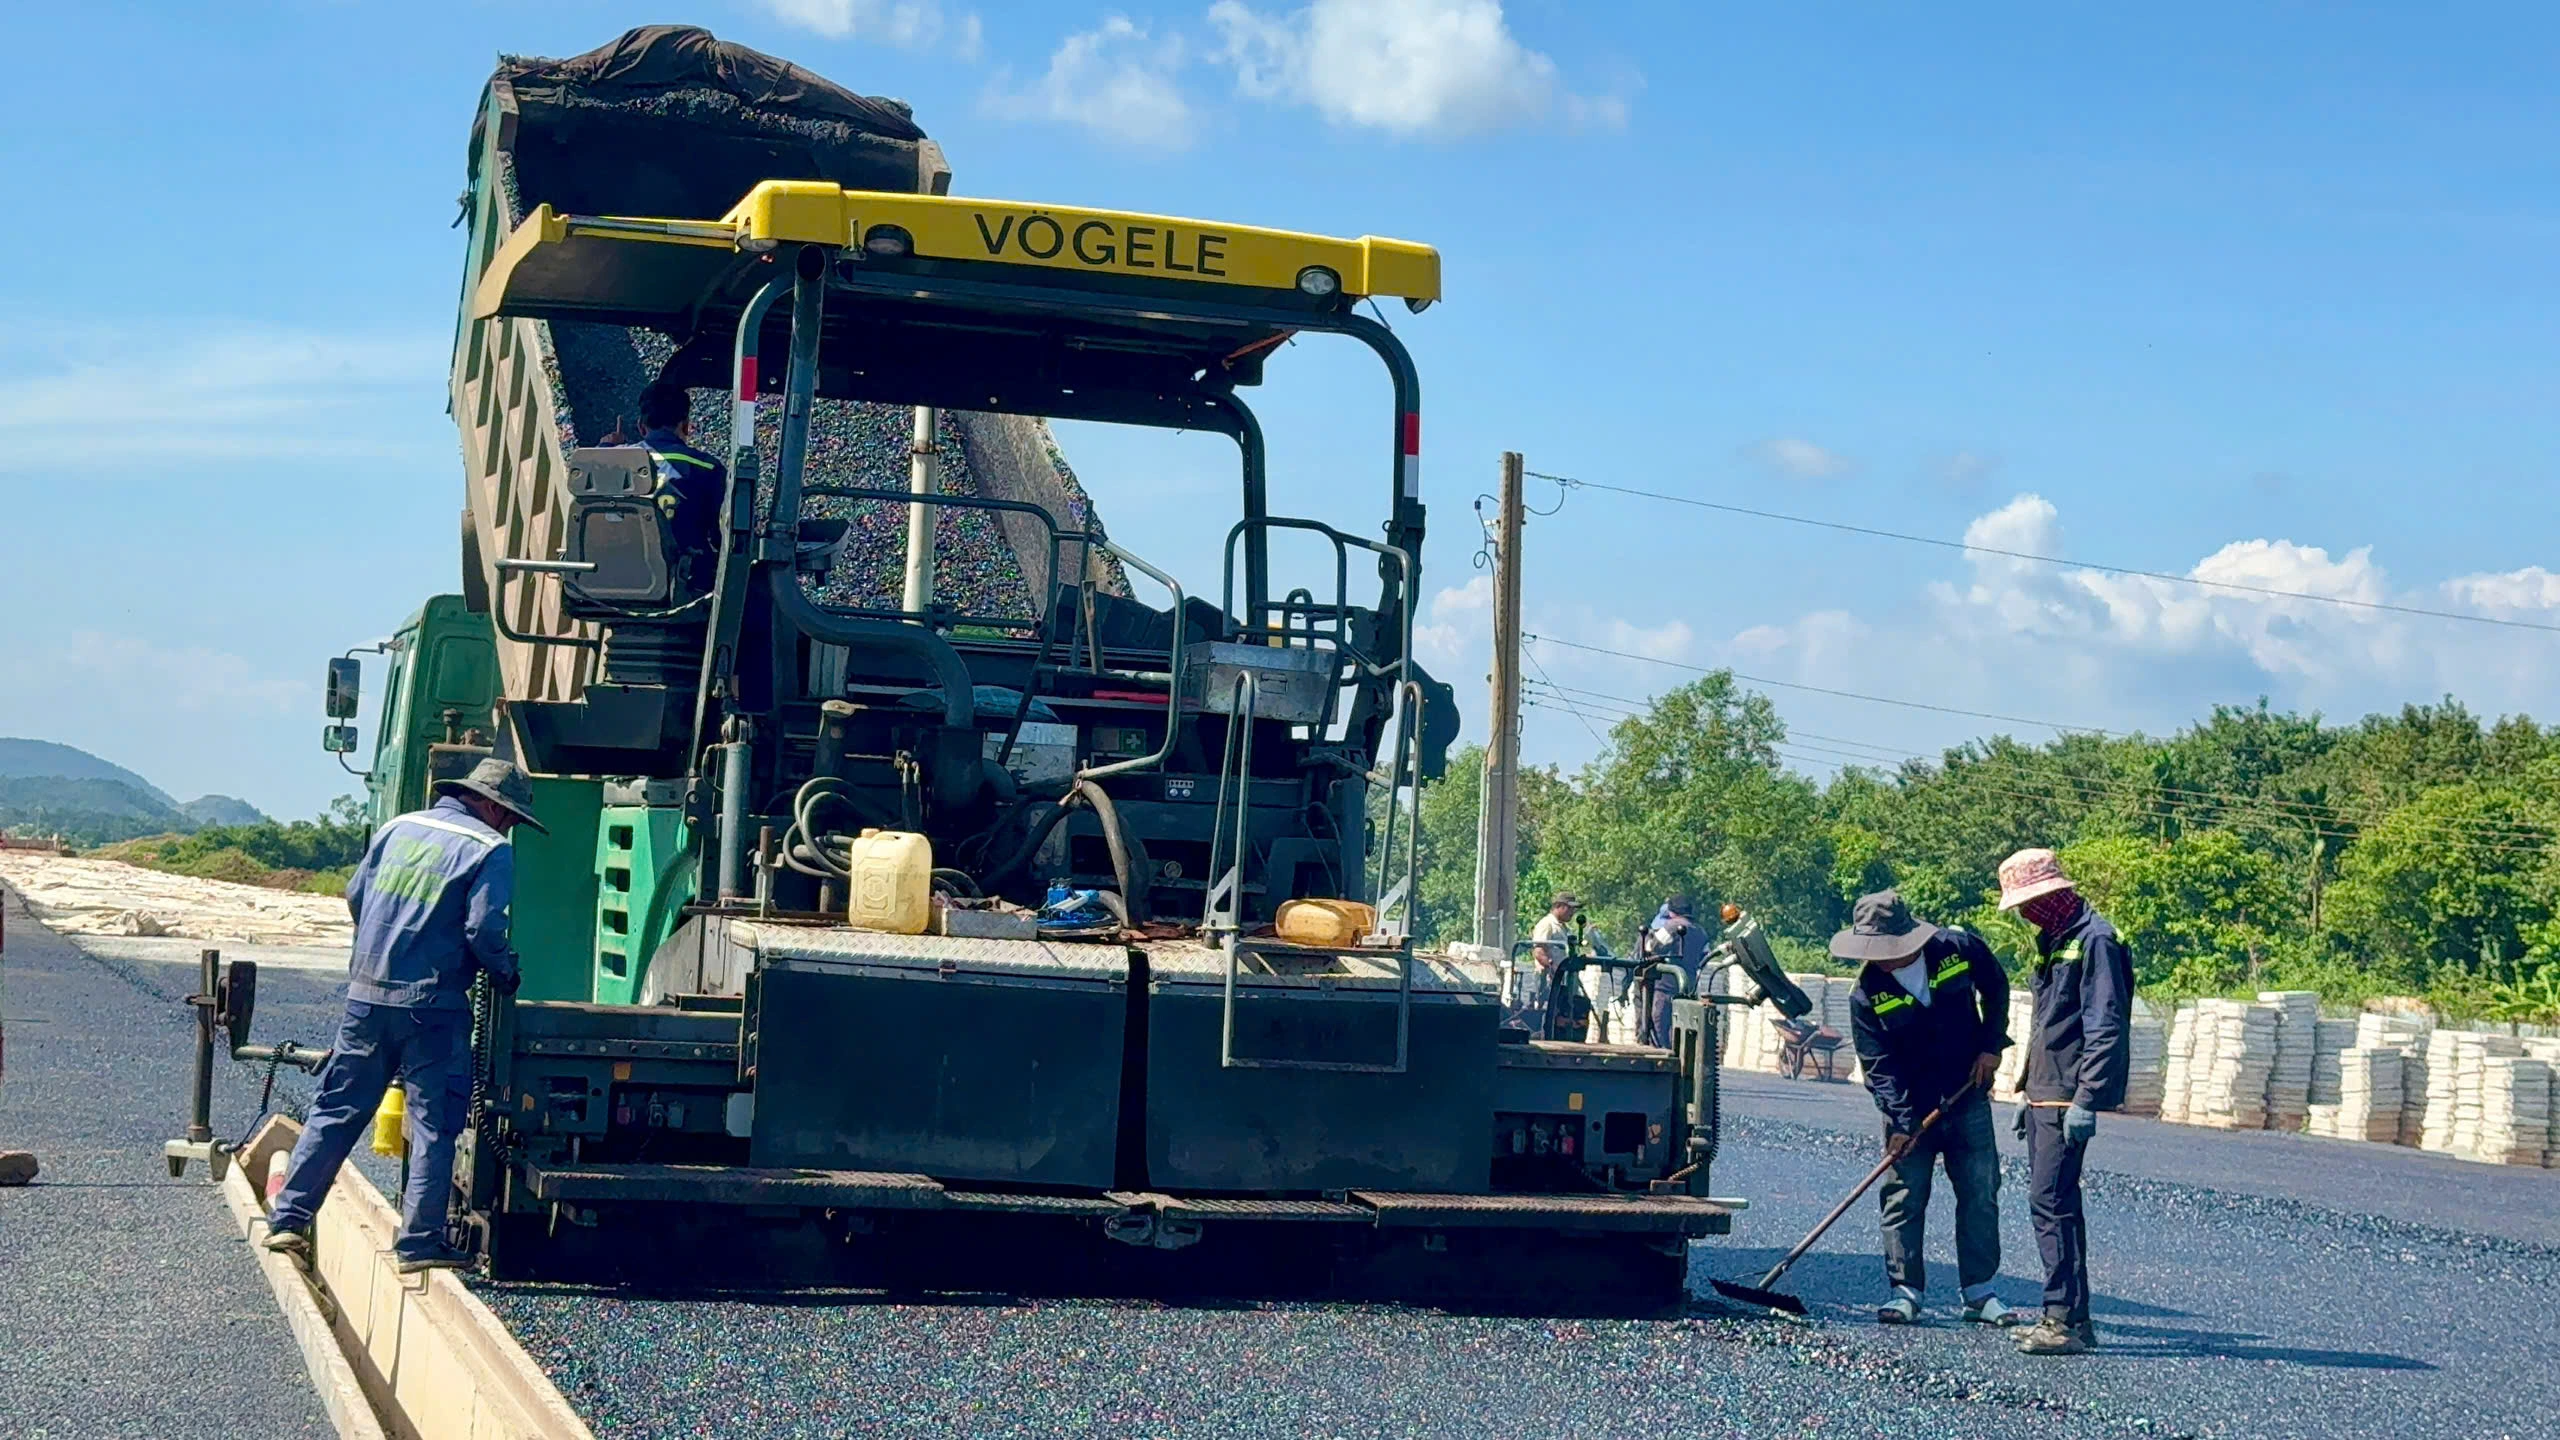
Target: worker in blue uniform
(2079,1056)
(691,485)
(431,902)
(1673,938)
(1930,1015)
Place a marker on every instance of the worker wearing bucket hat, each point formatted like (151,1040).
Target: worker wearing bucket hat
(2078,1059)
(431,902)
(1930,1016)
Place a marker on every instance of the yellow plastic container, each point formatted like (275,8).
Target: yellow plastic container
(892,885)
(1333,924)
(390,1121)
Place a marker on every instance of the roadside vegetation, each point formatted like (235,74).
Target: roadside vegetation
(2415,854)
(315,856)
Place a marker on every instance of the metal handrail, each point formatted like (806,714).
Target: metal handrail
(1173,674)
(1228,1059)
(1226,885)
(1406,776)
(1059,540)
(1340,611)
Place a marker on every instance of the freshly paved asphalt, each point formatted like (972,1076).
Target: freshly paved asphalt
(2249,1285)
(128,1303)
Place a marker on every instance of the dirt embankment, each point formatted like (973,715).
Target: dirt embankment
(77,896)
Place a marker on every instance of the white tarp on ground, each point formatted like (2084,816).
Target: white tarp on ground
(107,897)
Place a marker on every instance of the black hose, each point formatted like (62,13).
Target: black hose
(1124,849)
(957,881)
(1031,843)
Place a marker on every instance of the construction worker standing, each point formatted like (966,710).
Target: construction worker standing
(691,484)
(1930,1016)
(1550,940)
(2077,1064)
(431,904)
(1674,939)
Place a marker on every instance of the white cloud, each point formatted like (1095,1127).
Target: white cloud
(251,394)
(1476,595)
(906,24)
(1669,641)
(1966,469)
(1802,459)
(192,678)
(1440,68)
(1118,82)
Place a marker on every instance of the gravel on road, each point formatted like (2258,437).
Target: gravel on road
(129,1306)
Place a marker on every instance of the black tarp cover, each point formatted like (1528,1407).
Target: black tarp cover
(654,59)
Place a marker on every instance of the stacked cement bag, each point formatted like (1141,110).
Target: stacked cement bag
(2147,1043)
(2177,1079)
(2443,1066)
(2289,1073)
(2515,1111)
(2330,1041)
(2472,1054)
(2548,1052)
(2235,1089)
(2368,1097)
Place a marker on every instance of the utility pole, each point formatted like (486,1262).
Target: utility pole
(921,480)
(1498,822)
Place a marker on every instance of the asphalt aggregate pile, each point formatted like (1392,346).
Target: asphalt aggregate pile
(2241,1306)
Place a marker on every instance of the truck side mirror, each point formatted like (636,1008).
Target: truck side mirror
(346,683)
(338,739)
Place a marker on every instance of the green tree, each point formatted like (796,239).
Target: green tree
(2454,875)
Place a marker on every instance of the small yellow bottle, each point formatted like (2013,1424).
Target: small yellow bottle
(390,1121)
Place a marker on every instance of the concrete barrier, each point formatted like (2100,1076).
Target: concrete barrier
(413,1356)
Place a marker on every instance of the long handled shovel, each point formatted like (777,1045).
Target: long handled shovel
(1761,1294)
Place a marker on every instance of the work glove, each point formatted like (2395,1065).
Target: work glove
(1896,1145)
(1986,1068)
(2018,1123)
(2079,1123)
(504,982)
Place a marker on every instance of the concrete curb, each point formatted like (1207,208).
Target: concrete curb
(426,1355)
(332,1378)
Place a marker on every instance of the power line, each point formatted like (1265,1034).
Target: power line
(1973,549)
(1532,658)
(1824,690)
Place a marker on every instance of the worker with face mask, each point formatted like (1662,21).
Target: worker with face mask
(2078,1059)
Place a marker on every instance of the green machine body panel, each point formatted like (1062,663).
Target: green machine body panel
(643,876)
(444,659)
(555,906)
(436,718)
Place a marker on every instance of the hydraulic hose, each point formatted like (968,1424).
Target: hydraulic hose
(1128,857)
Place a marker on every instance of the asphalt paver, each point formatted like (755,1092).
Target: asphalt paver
(129,1305)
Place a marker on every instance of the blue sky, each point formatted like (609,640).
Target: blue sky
(2262,293)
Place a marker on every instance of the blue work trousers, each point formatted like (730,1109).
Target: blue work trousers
(1962,1142)
(429,1051)
(1666,988)
(2062,1230)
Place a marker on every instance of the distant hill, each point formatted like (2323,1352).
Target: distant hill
(222,810)
(89,811)
(41,759)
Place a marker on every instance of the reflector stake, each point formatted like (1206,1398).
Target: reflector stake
(1413,455)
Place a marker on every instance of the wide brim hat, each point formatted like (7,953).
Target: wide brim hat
(501,784)
(2029,875)
(1882,927)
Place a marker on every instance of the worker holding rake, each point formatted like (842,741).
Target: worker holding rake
(1930,1016)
